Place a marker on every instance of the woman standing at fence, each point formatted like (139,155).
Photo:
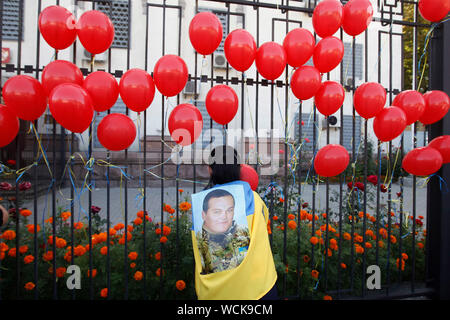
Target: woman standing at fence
(252,275)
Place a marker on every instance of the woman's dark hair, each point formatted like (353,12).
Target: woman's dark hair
(225,165)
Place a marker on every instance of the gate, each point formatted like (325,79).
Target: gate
(123,218)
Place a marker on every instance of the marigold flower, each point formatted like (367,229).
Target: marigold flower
(94,273)
(119,226)
(79,250)
(303,214)
(65,215)
(60,243)
(306,258)
(181,285)
(420,245)
(25,212)
(292,225)
(104,293)
(49,220)
(166,230)
(133,255)
(180,190)
(158,231)
(3,247)
(359,249)
(327,297)
(138,276)
(12,252)
(291,216)
(402,264)
(104,250)
(347,236)
(48,256)
(132,265)
(9,235)
(78,225)
(185,206)
(281,200)
(158,272)
(163,239)
(393,239)
(358,238)
(168,208)
(343,265)
(404,256)
(158,256)
(23,249)
(318,233)
(314,240)
(137,221)
(29,286)
(28,259)
(381,244)
(275,218)
(315,274)
(368,245)
(60,272)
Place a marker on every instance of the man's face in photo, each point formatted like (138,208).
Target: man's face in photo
(219,216)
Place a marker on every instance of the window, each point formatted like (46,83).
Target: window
(118,12)
(348,132)
(347,61)
(206,133)
(10,19)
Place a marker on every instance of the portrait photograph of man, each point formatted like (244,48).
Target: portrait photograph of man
(221,228)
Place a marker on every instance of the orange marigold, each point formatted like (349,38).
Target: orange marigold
(9,235)
(185,206)
(25,212)
(60,243)
(291,216)
(158,272)
(29,286)
(158,256)
(12,252)
(181,285)
(166,230)
(327,297)
(119,226)
(94,273)
(48,256)
(163,239)
(23,249)
(368,245)
(60,272)
(404,256)
(315,274)
(79,250)
(381,244)
(28,259)
(347,236)
(138,221)
(132,265)
(133,255)
(292,225)
(359,249)
(104,293)
(420,245)
(104,250)
(343,265)
(138,276)
(314,240)
(65,215)
(3,247)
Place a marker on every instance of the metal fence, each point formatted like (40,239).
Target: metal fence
(296,193)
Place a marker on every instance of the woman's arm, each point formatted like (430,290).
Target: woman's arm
(4,216)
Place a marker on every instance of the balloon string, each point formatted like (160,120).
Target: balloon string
(41,149)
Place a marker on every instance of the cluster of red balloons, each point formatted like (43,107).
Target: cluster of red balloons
(59,28)
(434,10)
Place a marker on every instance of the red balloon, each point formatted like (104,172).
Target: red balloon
(185,124)
(103,89)
(58,27)
(222,103)
(329,98)
(25,96)
(327,18)
(71,106)
(270,60)
(369,99)
(389,123)
(58,72)
(331,160)
(171,75)
(116,132)
(205,32)
(137,90)
(299,46)
(328,54)
(95,31)
(305,82)
(9,125)
(240,49)
(357,16)
(434,10)
(422,161)
(412,103)
(442,144)
(437,105)
(249,175)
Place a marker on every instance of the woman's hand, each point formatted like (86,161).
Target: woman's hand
(4,216)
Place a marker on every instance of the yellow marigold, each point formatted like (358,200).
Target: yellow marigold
(181,285)
(9,235)
(133,255)
(29,286)
(65,215)
(138,276)
(25,212)
(28,259)
(185,206)
(104,293)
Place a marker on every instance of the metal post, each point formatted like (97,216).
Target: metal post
(438,217)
